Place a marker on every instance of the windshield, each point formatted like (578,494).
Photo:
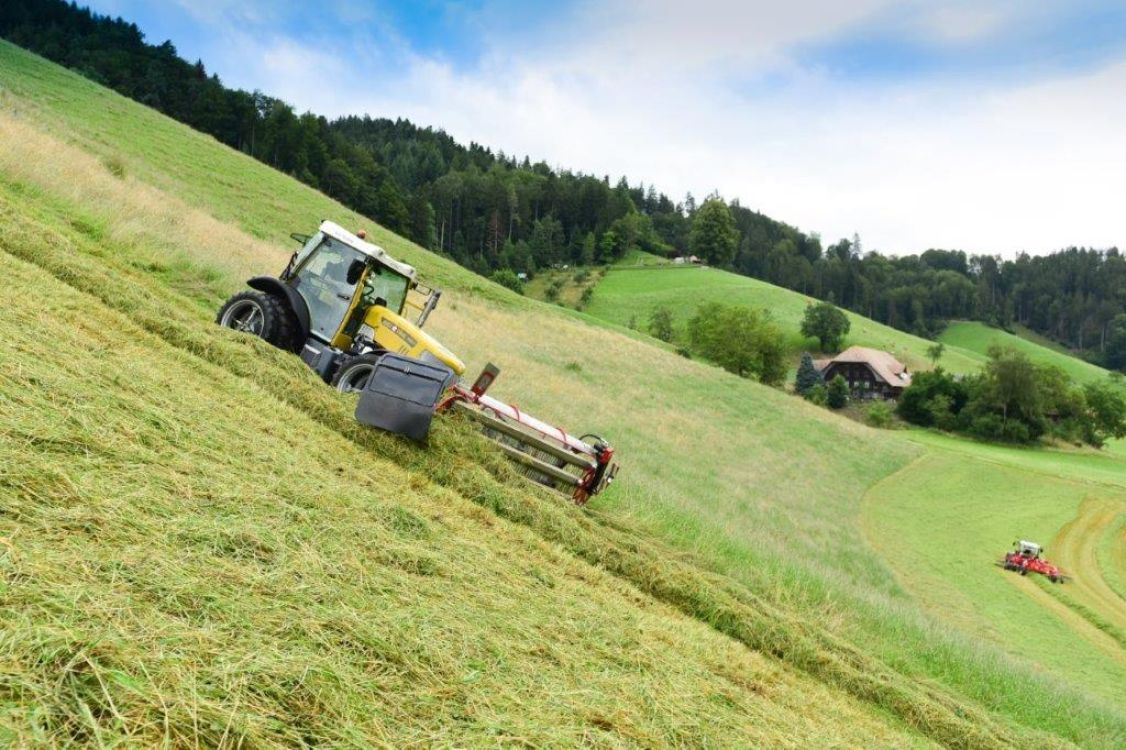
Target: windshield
(322,280)
(385,287)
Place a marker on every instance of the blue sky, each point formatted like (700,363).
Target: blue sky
(994,126)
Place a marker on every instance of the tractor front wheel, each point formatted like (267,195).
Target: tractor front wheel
(261,315)
(353,375)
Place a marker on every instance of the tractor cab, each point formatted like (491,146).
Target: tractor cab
(340,275)
(339,298)
(1028,550)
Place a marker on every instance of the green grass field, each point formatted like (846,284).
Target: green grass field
(943,541)
(723,592)
(631,294)
(977,337)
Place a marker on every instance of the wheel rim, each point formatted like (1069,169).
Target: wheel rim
(355,378)
(246,316)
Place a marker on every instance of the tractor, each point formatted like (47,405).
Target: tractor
(355,315)
(1026,558)
(340,302)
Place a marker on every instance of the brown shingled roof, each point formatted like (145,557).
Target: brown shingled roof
(890,369)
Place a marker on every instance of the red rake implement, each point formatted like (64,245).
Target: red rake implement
(577,466)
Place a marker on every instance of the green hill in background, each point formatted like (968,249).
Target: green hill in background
(978,338)
(628,293)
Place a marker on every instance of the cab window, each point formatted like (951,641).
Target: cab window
(322,281)
(384,286)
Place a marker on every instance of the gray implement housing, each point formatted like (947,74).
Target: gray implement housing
(402,394)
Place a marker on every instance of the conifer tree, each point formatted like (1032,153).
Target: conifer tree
(807,376)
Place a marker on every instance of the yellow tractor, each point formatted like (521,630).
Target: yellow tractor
(340,303)
(355,315)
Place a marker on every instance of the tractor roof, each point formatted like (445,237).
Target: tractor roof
(338,232)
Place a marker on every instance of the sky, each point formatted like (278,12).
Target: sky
(994,126)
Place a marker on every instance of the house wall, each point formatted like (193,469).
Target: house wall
(863,382)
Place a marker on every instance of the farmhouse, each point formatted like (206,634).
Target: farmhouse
(870,373)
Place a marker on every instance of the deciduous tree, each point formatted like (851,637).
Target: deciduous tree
(660,323)
(740,340)
(837,393)
(826,323)
(714,235)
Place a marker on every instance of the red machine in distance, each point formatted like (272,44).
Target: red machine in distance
(1025,558)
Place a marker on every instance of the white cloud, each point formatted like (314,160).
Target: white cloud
(673,94)
(963,22)
(227,13)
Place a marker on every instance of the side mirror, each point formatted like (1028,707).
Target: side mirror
(355,271)
(301,238)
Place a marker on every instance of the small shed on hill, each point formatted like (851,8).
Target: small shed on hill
(870,373)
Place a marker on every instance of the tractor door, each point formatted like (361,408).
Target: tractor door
(328,280)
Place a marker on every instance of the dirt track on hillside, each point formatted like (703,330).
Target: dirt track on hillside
(1075,550)
(1118,555)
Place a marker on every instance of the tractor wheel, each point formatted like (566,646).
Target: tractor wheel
(353,375)
(1024,571)
(261,315)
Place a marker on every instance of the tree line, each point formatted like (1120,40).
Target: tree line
(1016,400)
(1012,400)
(1075,296)
(494,212)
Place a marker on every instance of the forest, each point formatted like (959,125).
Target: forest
(490,211)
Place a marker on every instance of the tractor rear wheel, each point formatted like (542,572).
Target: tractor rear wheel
(353,375)
(261,315)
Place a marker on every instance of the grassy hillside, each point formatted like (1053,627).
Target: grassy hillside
(188,560)
(978,337)
(630,293)
(738,507)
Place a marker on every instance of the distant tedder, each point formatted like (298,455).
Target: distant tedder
(1026,558)
(355,314)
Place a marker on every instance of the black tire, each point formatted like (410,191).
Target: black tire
(262,315)
(1024,571)
(352,376)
